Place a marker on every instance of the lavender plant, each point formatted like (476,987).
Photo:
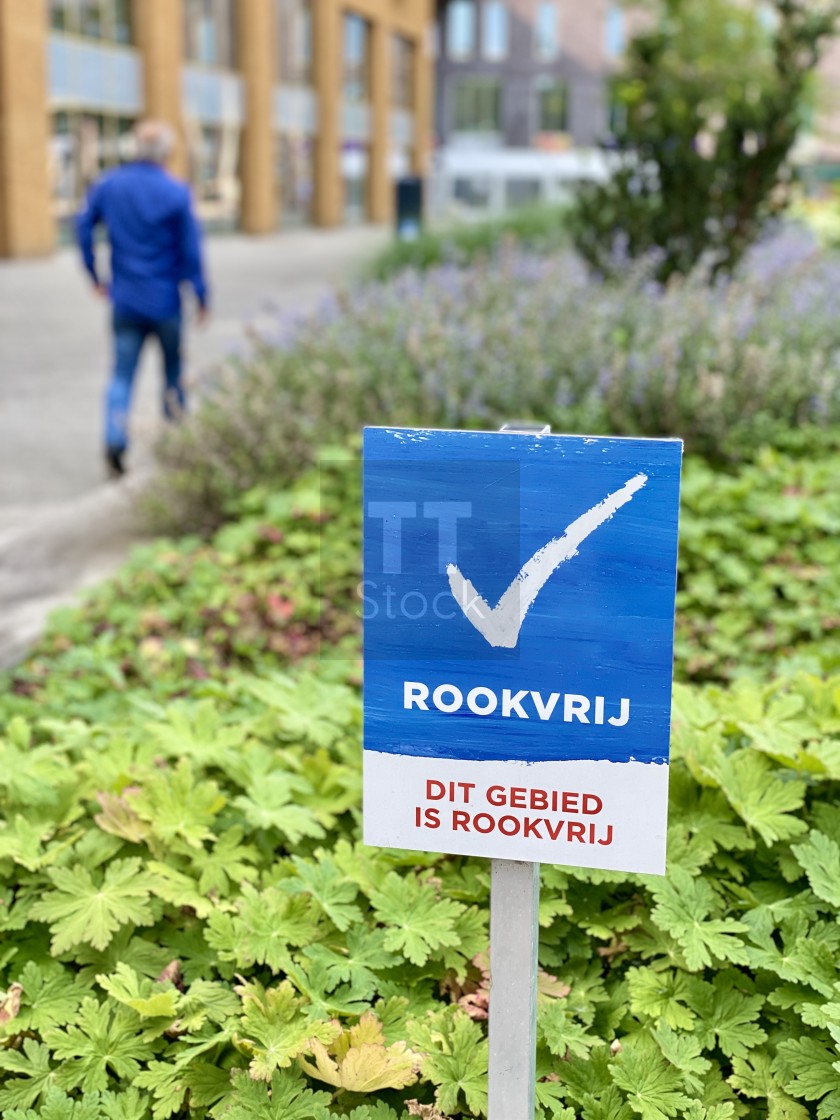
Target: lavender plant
(728,367)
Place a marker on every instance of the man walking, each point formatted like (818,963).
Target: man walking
(155,247)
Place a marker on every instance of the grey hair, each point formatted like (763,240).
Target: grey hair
(153,141)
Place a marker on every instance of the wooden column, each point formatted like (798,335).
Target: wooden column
(328,199)
(380,201)
(257,51)
(26,226)
(159,36)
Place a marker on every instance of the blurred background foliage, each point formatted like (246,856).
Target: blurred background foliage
(708,108)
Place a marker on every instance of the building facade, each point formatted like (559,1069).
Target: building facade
(522,96)
(287,112)
(525,73)
(523,100)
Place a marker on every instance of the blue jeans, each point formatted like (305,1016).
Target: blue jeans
(130,332)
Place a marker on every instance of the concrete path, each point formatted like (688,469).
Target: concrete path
(61,525)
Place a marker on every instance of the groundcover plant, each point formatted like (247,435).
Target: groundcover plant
(759,589)
(190,925)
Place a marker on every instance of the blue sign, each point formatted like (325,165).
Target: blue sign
(518,603)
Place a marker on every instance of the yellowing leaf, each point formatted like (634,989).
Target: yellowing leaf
(120,819)
(149,999)
(358,1060)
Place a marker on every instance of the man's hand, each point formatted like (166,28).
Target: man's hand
(101,290)
(202,315)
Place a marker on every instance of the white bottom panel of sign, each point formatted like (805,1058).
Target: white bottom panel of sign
(607,815)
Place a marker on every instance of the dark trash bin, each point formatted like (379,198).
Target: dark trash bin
(409,207)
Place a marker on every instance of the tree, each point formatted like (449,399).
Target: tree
(709,104)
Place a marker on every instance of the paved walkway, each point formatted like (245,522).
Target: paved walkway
(61,526)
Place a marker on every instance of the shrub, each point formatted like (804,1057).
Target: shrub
(540,228)
(712,101)
(519,337)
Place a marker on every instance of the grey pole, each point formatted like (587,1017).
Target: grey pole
(514,938)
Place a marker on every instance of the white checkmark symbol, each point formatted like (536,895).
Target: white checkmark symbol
(500,625)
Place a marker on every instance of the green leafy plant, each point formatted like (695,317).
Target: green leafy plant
(326,979)
(190,925)
(760,568)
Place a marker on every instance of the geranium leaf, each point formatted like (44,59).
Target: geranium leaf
(81,911)
(683,906)
(103,1041)
(273,1032)
(419,922)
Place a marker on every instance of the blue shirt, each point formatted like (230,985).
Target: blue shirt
(154,235)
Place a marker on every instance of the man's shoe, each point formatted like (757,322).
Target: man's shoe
(114,459)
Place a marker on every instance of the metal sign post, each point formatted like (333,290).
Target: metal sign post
(514,938)
(514,942)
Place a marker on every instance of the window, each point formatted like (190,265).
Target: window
(121,21)
(615,32)
(210,32)
(546,44)
(460,29)
(356,79)
(213,152)
(474,193)
(59,16)
(90,18)
(551,105)
(355,175)
(522,192)
(82,146)
(402,72)
(294,42)
(478,105)
(295,174)
(494,30)
(109,20)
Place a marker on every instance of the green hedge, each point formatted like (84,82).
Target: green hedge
(541,228)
